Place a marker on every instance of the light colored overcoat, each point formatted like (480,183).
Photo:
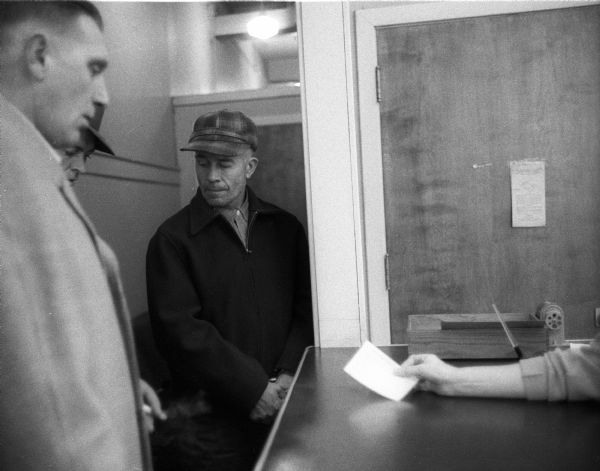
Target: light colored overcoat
(69,392)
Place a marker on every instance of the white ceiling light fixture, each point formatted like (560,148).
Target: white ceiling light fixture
(263,27)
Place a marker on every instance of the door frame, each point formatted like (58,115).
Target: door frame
(367,22)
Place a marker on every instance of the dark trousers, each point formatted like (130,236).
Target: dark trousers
(210,441)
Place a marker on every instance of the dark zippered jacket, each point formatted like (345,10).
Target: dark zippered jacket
(225,317)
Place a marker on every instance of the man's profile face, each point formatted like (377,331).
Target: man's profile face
(222,179)
(73,84)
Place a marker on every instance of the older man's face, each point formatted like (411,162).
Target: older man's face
(222,179)
(73,84)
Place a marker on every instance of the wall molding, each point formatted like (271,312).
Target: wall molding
(170,168)
(274,91)
(125,169)
(130,179)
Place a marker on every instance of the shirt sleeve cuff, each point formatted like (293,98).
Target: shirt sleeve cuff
(535,379)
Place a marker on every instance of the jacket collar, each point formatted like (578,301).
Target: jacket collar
(201,214)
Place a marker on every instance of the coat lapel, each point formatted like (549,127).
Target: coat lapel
(65,189)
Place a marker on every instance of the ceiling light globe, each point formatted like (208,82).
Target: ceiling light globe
(263,27)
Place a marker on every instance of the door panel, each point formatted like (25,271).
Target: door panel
(461,99)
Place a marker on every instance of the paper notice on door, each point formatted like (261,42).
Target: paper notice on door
(528,192)
(375,370)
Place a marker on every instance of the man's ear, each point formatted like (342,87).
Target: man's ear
(251,166)
(36,56)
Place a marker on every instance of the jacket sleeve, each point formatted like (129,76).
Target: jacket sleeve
(192,346)
(572,374)
(301,331)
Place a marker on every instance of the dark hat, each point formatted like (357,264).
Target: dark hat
(100,143)
(93,140)
(223,132)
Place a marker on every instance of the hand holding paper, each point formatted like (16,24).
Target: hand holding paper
(375,370)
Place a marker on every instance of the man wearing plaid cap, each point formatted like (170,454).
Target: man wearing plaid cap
(229,299)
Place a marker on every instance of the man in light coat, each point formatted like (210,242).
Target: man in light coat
(69,385)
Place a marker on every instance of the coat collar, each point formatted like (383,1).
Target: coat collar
(201,214)
(34,150)
(36,153)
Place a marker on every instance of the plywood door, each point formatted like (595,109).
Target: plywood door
(461,99)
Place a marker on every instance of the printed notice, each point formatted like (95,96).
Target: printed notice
(375,370)
(528,192)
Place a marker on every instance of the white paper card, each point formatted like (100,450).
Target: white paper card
(375,370)
(528,191)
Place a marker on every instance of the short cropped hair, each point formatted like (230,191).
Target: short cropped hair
(51,12)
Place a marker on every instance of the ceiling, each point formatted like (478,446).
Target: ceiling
(279,47)
(231,18)
(236,6)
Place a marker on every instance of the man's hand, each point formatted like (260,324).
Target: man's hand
(152,407)
(434,374)
(269,403)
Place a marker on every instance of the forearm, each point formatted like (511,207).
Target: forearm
(205,360)
(487,381)
(572,374)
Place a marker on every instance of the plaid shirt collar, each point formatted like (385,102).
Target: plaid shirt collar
(228,213)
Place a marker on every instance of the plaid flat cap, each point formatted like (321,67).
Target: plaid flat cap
(223,132)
